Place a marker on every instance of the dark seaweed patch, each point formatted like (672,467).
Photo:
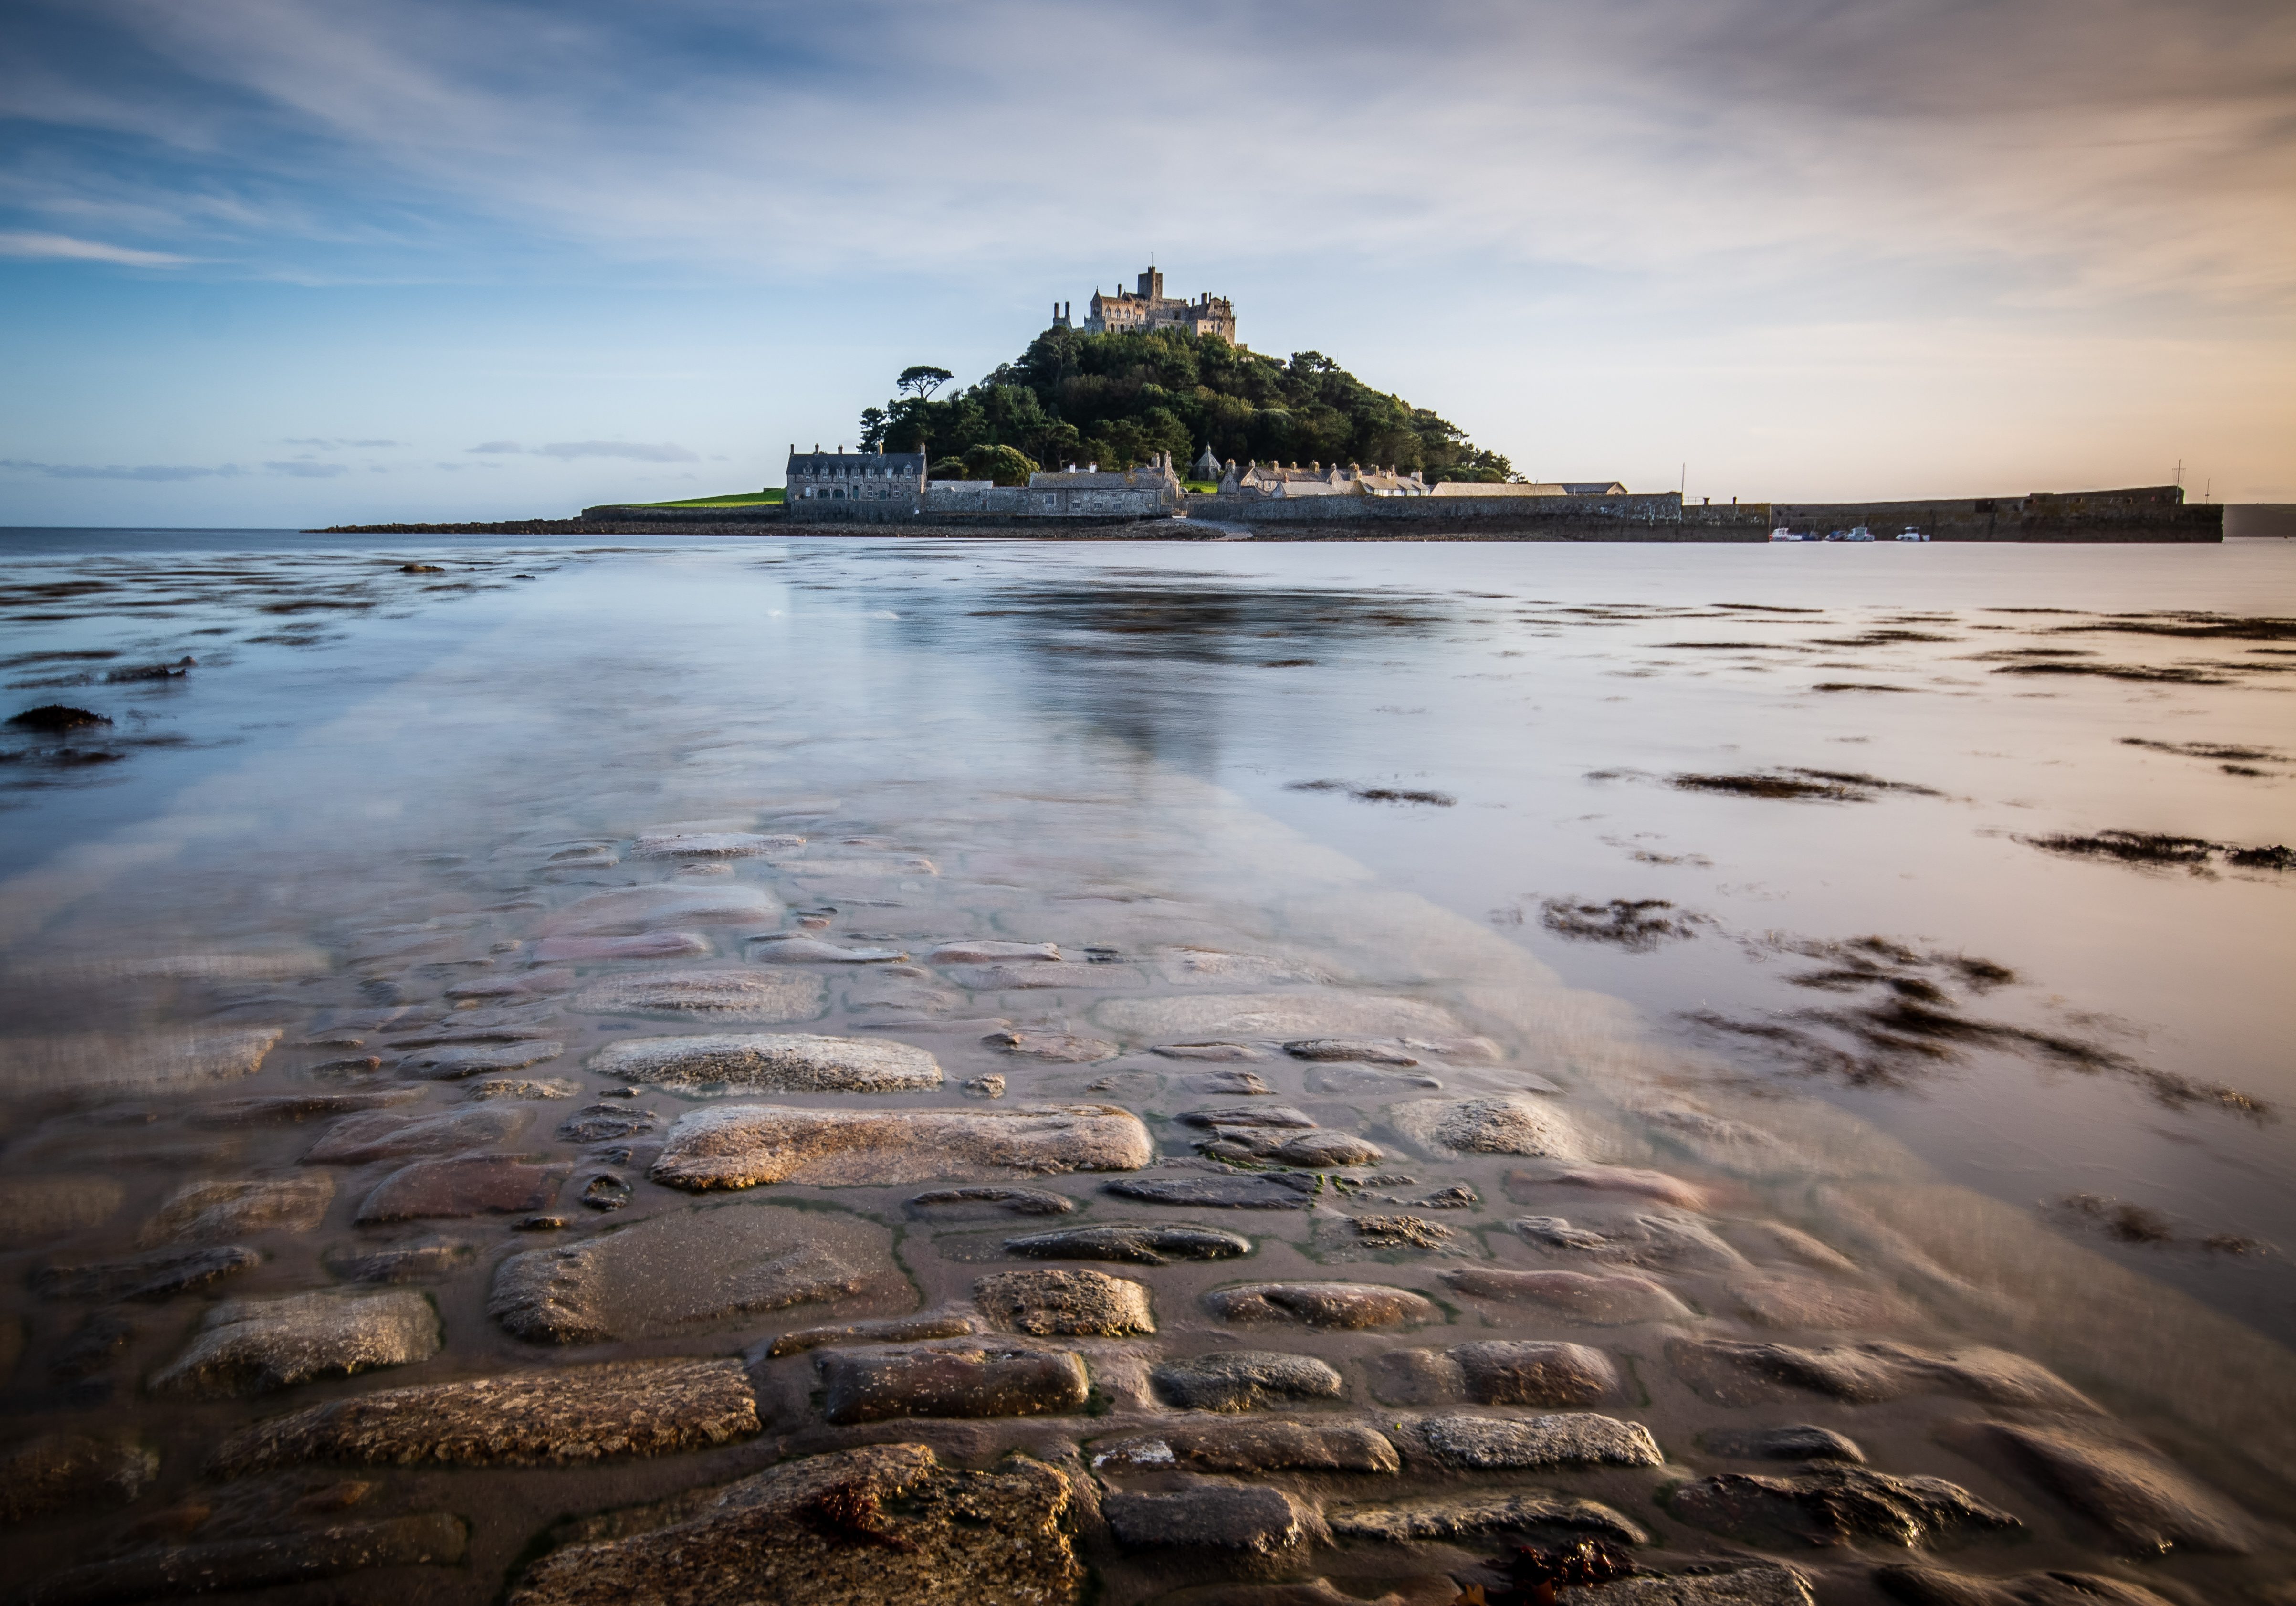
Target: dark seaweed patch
(1856,685)
(2152,848)
(1375,794)
(1726,647)
(2209,749)
(57,717)
(1766,608)
(1910,1020)
(2169,674)
(2195,627)
(1288,663)
(1636,924)
(1880,638)
(1838,786)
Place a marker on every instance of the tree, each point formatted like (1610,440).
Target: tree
(922,381)
(1002,465)
(872,428)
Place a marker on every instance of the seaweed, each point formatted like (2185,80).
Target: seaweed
(2169,674)
(1880,638)
(1838,786)
(57,717)
(2195,627)
(1635,925)
(1855,686)
(1376,794)
(2154,850)
(2207,750)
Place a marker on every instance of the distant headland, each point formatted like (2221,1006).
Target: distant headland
(1085,434)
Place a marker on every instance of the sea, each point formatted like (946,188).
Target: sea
(1932,902)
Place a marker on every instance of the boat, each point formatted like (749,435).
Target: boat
(1783,534)
(1910,534)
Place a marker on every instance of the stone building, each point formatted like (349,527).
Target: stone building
(1149,307)
(1150,492)
(1520,487)
(860,486)
(1275,481)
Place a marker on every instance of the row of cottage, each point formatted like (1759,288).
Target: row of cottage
(874,487)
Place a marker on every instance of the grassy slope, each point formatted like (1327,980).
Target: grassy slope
(738,499)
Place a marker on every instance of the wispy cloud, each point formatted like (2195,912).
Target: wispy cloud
(325,444)
(63,248)
(639,451)
(153,470)
(303,469)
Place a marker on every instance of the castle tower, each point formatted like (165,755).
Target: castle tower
(1151,285)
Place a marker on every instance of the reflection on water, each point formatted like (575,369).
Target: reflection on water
(1672,954)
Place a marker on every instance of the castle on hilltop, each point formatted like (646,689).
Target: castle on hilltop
(1149,307)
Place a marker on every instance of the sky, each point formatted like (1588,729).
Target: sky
(292,262)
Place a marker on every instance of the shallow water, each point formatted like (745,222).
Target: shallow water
(2037,1097)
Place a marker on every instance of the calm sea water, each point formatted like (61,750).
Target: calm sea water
(1784,826)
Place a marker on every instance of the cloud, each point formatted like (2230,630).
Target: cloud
(668,451)
(325,443)
(305,470)
(63,248)
(149,471)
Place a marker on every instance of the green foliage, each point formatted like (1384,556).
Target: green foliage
(1116,400)
(738,499)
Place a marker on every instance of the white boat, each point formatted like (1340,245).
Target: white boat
(1910,534)
(1859,533)
(1783,534)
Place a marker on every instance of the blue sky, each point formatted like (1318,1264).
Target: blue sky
(285,262)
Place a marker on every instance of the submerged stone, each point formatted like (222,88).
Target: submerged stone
(1935,1586)
(604,1122)
(1244,1084)
(1277,1016)
(1333,1305)
(994,953)
(1065,1302)
(456,1060)
(694,1269)
(1601,1301)
(759,995)
(158,1275)
(748,1144)
(1499,1372)
(1223,1517)
(633,909)
(34,1207)
(1799,1301)
(1617,1179)
(1837,1505)
(2126,1489)
(981,1201)
(1369,1051)
(1755,1583)
(356,1140)
(468,1184)
(1738,1374)
(1237,1191)
(71,1472)
(1327,1150)
(433,1539)
(771,1063)
(711,845)
(1257,1446)
(1504,1442)
(592,950)
(1654,1240)
(891,1329)
(206,1212)
(1279,1115)
(88,1064)
(254,1345)
(1244,1379)
(963,1378)
(400,1262)
(1440,1517)
(1800,1442)
(1214,1052)
(792,947)
(1484,1127)
(280,1109)
(1059,1048)
(558,1418)
(1140,1245)
(883,1523)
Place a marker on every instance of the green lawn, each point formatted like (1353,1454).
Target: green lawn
(738,499)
